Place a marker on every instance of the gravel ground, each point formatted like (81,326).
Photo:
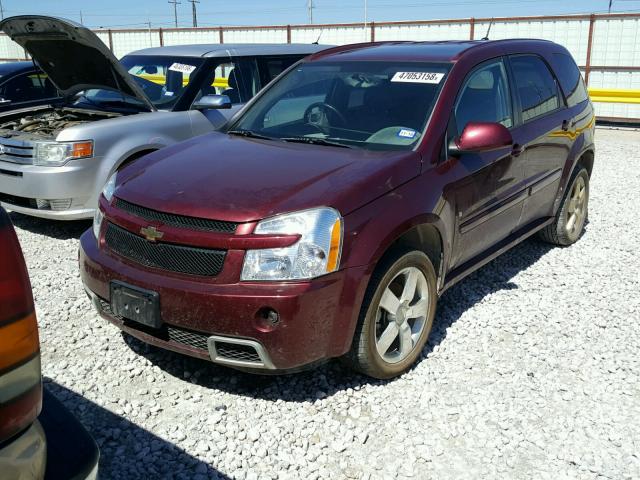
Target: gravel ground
(532,371)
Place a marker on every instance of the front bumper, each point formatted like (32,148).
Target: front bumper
(69,192)
(202,318)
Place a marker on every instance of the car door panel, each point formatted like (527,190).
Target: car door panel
(547,134)
(489,194)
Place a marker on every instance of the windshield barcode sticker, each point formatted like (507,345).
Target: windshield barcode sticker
(417,77)
(181,67)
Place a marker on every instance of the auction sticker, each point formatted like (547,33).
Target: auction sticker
(181,67)
(417,77)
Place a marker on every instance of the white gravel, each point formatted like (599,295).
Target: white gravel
(532,371)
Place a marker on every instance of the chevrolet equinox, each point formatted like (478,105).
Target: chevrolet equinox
(332,212)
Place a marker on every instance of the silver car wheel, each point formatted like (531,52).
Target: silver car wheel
(401,315)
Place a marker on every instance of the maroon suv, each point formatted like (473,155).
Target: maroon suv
(334,210)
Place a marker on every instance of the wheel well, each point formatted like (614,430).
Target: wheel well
(425,238)
(135,156)
(586,160)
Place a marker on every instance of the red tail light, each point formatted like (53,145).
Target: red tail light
(20,380)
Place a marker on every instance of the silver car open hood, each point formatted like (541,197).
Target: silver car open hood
(71,55)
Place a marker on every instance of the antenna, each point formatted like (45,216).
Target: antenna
(486,37)
(318,39)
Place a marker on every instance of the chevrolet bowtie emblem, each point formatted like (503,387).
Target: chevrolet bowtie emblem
(151,234)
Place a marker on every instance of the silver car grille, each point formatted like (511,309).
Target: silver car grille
(16,152)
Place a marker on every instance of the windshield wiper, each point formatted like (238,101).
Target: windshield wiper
(249,133)
(314,141)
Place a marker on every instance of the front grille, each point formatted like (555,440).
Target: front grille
(234,351)
(16,153)
(18,201)
(165,333)
(180,221)
(167,256)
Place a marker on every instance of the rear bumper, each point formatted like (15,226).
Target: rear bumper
(73,187)
(55,447)
(201,318)
(72,452)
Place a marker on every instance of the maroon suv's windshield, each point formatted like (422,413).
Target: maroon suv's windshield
(375,105)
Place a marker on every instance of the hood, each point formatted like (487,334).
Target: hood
(238,179)
(71,55)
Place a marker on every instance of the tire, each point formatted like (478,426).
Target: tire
(565,230)
(411,333)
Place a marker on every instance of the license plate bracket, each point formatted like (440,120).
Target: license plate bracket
(135,304)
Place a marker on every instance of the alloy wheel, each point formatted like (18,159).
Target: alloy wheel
(401,315)
(577,207)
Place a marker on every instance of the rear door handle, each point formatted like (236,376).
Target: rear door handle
(567,124)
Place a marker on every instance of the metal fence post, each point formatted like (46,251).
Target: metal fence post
(373,31)
(288,33)
(161,36)
(110,39)
(472,28)
(587,68)
(220,32)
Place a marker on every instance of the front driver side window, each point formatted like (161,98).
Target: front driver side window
(485,97)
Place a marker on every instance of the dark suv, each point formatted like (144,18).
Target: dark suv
(343,201)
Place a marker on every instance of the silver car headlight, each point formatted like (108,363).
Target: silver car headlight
(58,153)
(316,253)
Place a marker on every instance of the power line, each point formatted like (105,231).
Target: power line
(194,13)
(175,10)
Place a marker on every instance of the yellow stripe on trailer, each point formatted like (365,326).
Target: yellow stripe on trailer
(218,82)
(614,95)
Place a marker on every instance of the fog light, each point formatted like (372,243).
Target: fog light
(267,319)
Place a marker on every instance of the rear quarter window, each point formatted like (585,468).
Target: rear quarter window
(570,79)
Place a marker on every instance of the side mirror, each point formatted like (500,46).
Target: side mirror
(212,101)
(481,137)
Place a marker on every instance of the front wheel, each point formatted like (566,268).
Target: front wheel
(396,316)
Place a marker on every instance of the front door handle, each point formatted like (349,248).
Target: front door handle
(516,150)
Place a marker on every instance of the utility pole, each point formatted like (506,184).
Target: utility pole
(310,7)
(81,21)
(610,3)
(194,13)
(1,11)
(365,20)
(175,10)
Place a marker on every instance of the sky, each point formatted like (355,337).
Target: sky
(132,14)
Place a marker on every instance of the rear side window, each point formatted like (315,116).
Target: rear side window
(485,97)
(570,79)
(535,86)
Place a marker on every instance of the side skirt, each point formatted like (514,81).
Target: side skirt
(457,274)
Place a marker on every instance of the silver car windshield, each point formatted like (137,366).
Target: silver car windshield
(372,105)
(163,79)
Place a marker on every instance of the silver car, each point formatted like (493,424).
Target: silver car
(55,159)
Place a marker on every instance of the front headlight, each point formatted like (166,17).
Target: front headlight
(109,187)
(97,222)
(59,153)
(316,253)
